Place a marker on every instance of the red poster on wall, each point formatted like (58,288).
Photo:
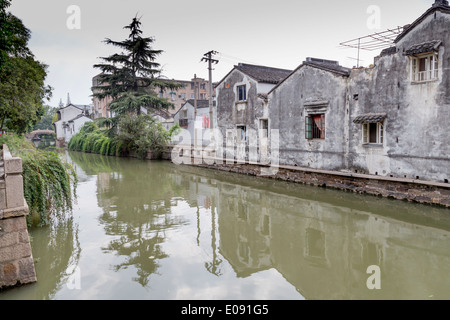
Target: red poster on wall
(205,121)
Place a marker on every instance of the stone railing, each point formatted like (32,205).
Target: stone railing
(16,260)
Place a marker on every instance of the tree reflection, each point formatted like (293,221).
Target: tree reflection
(56,249)
(136,198)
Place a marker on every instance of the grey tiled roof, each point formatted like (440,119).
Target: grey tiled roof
(264,74)
(370,118)
(423,47)
(439,5)
(329,67)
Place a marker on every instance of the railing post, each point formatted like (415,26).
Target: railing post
(16,259)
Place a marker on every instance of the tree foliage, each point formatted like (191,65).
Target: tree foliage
(48,116)
(22,78)
(49,181)
(138,134)
(131,76)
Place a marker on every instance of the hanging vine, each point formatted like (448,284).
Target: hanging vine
(49,181)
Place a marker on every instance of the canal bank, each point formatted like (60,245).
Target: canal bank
(413,190)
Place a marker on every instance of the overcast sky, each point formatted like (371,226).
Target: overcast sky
(276,33)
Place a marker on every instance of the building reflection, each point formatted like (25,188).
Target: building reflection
(323,247)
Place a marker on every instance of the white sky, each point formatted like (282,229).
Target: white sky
(276,33)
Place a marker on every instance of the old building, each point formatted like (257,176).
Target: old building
(390,119)
(70,120)
(308,109)
(185,117)
(241,98)
(400,109)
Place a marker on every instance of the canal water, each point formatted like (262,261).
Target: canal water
(155,230)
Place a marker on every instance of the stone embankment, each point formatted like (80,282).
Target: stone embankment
(16,259)
(420,191)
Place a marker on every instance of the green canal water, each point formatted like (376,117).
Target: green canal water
(155,230)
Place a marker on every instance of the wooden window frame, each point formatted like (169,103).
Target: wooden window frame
(310,132)
(379,133)
(241,95)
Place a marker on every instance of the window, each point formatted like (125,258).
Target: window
(264,126)
(424,67)
(241,133)
(242,93)
(373,133)
(202,96)
(203,86)
(315,127)
(184,123)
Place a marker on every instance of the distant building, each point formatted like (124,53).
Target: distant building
(186,92)
(185,117)
(70,119)
(177,97)
(100,106)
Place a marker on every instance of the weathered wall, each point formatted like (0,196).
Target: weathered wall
(201,111)
(418,114)
(287,113)
(230,112)
(16,260)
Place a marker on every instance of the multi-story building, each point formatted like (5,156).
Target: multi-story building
(177,97)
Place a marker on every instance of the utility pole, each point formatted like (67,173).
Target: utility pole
(195,114)
(207,57)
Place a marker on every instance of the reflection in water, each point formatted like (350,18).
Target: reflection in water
(154,230)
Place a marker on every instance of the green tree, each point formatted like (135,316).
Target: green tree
(130,78)
(22,78)
(46,122)
(4,32)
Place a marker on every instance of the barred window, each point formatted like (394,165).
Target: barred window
(315,127)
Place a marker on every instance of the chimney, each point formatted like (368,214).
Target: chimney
(439,3)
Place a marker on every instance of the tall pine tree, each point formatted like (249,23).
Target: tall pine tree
(131,77)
